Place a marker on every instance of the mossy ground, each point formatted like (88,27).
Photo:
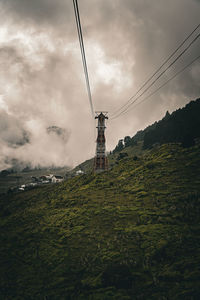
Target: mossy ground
(130,233)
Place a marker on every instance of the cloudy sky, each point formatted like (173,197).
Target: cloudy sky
(42,82)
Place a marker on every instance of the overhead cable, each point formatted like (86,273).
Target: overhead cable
(151,77)
(155,80)
(80,36)
(161,86)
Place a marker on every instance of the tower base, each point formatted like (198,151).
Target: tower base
(100,164)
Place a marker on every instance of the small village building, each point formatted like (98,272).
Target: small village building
(57,178)
(79,172)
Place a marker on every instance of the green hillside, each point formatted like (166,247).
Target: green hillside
(113,158)
(129,233)
(182,126)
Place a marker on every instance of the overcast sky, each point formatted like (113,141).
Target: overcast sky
(42,82)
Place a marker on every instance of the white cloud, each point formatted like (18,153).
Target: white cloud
(41,76)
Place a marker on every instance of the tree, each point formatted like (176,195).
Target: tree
(122,155)
(127,141)
(167,116)
(119,146)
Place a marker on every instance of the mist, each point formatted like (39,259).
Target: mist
(42,84)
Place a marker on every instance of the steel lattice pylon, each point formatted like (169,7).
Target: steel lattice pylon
(101,161)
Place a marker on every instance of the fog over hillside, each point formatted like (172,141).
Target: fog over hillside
(41,76)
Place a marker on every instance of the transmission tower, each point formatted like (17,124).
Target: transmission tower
(101,161)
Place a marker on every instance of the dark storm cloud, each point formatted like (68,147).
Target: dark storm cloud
(41,76)
(44,11)
(60,132)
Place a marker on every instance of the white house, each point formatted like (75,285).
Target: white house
(57,178)
(79,172)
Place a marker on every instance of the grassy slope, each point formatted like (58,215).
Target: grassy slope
(131,233)
(132,151)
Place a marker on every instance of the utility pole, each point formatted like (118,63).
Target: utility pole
(101,160)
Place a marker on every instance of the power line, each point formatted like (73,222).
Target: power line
(161,86)
(155,80)
(80,36)
(164,63)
